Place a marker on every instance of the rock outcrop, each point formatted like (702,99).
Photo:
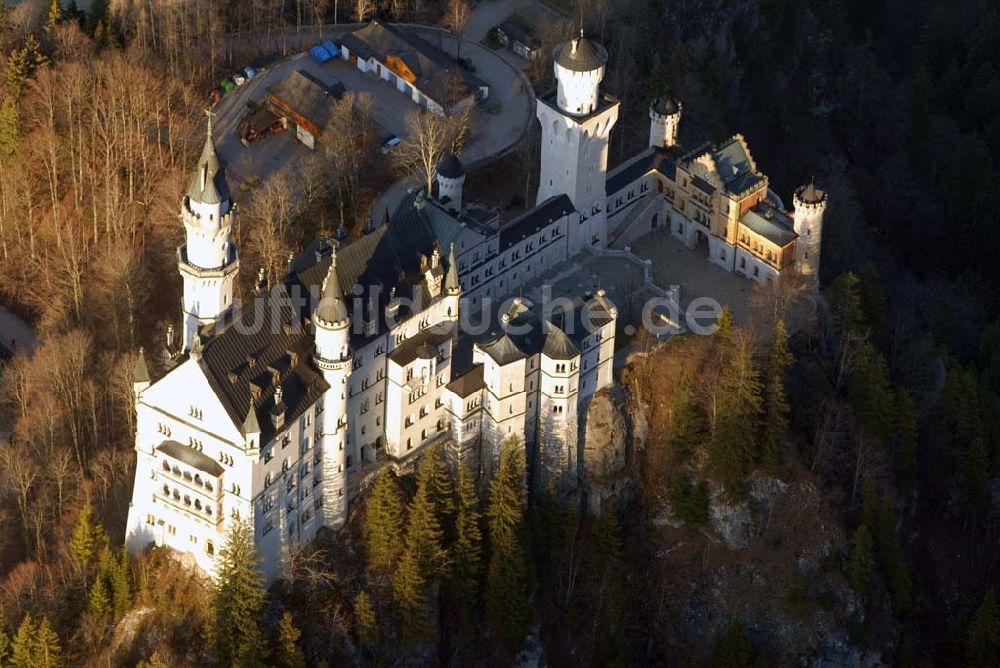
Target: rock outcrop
(605,451)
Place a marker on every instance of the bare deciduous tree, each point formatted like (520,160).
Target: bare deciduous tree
(430,138)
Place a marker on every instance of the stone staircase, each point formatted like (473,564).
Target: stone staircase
(638,210)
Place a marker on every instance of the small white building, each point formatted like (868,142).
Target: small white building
(418,69)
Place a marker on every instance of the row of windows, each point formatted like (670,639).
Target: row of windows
(196,479)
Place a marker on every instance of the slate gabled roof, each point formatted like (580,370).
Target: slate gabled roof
(770,223)
(654,158)
(433,68)
(532,221)
(264,348)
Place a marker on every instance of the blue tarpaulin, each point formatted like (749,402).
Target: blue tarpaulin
(331,48)
(320,54)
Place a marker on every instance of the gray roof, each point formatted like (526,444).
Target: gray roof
(558,346)
(581,55)
(265,349)
(193,458)
(666,105)
(468,383)
(308,97)
(251,425)
(502,350)
(770,223)
(534,220)
(331,302)
(451,167)
(140,373)
(451,278)
(422,346)
(382,261)
(810,194)
(208,185)
(654,158)
(433,68)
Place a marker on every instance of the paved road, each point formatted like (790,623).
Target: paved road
(494,133)
(15,334)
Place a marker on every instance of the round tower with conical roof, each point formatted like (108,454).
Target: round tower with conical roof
(450,181)
(576,121)
(579,69)
(208,260)
(664,119)
(810,205)
(333,358)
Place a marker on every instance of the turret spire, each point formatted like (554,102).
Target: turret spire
(209,183)
(451,284)
(331,302)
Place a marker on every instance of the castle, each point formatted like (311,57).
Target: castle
(278,411)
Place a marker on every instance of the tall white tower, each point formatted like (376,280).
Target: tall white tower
(208,261)
(810,205)
(576,122)
(333,358)
(664,119)
(450,180)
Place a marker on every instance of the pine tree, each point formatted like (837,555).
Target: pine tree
(845,304)
(10,136)
(384,523)
(507,576)
(869,392)
(423,531)
(983,645)
(23,646)
(47,649)
(409,590)
(467,551)
(687,421)
(88,540)
(365,623)
(724,328)
(100,599)
(237,601)
(289,654)
(861,564)
(54,18)
(871,299)
(892,563)
(732,648)
(906,432)
(870,507)
(776,396)
(739,402)
(121,591)
(5,640)
(22,64)
(434,473)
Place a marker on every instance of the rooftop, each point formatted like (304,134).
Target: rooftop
(433,70)
(532,221)
(581,55)
(308,97)
(770,223)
